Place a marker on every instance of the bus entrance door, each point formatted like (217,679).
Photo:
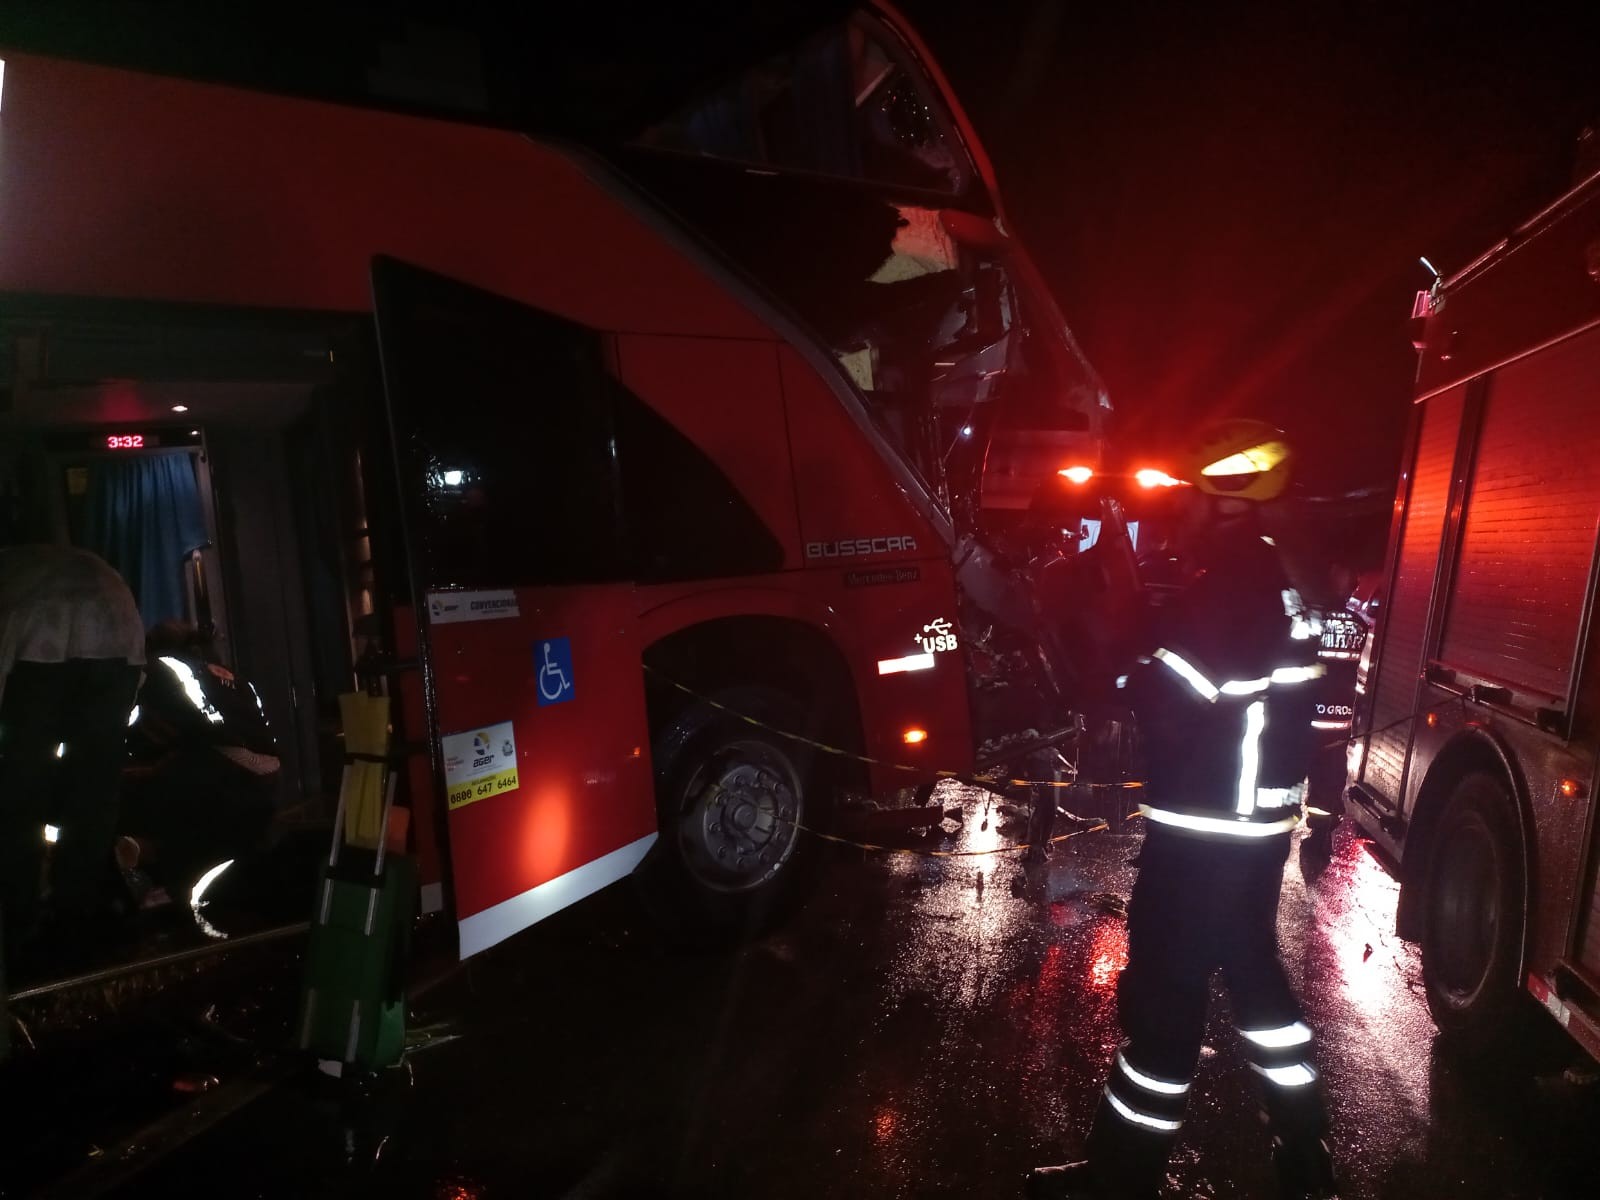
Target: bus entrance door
(519,582)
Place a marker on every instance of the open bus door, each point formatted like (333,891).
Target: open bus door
(502,427)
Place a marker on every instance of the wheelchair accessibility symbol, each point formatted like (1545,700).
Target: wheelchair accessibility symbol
(552,657)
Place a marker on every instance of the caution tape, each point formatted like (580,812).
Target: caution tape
(977,780)
(1099,826)
(985,781)
(876,848)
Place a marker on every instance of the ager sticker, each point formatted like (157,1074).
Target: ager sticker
(479,763)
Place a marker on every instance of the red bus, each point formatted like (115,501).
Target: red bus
(545,433)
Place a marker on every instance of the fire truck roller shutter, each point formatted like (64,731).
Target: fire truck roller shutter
(1403,632)
(1529,516)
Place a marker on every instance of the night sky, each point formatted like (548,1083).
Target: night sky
(1229,200)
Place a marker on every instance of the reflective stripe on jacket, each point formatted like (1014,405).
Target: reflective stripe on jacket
(1225,697)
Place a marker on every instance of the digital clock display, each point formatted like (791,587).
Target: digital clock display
(112,440)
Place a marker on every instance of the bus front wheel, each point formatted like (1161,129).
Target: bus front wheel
(733,797)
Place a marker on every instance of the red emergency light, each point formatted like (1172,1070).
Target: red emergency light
(1076,474)
(1150,477)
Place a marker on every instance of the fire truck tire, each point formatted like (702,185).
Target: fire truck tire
(730,798)
(1472,914)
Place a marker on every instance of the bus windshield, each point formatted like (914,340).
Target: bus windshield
(847,103)
(836,174)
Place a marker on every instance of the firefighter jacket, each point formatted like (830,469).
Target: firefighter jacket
(1224,698)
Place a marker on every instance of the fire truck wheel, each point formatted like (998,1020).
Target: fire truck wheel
(1472,929)
(731,797)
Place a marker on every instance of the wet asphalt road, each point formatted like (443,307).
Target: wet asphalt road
(924,1027)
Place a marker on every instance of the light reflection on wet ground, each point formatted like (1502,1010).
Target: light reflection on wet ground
(926,1027)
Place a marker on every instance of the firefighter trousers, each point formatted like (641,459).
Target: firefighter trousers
(81,706)
(1199,905)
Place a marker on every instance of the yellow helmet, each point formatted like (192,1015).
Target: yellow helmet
(1241,459)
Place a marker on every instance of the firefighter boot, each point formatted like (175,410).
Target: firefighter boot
(1081,1181)
(1305,1169)
(1069,1181)
(1296,1115)
(1124,1163)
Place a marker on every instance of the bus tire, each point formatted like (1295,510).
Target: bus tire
(731,797)
(1472,914)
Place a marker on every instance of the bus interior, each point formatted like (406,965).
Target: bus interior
(214,458)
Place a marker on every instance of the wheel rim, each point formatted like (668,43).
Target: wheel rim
(740,816)
(1469,914)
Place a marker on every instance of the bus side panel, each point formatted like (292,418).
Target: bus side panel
(852,513)
(1398,661)
(115,183)
(894,621)
(546,754)
(865,624)
(886,570)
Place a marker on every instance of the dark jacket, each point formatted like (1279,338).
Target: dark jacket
(1224,695)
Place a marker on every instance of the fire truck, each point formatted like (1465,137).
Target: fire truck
(581,449)
(1473,760)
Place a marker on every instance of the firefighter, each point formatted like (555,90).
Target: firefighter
(1223,699)
(202,778)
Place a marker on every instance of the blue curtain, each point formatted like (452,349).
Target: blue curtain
(143,516)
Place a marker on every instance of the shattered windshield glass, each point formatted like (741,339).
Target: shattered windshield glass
(843,104)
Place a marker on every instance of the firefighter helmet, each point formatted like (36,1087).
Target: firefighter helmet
(1241,459)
